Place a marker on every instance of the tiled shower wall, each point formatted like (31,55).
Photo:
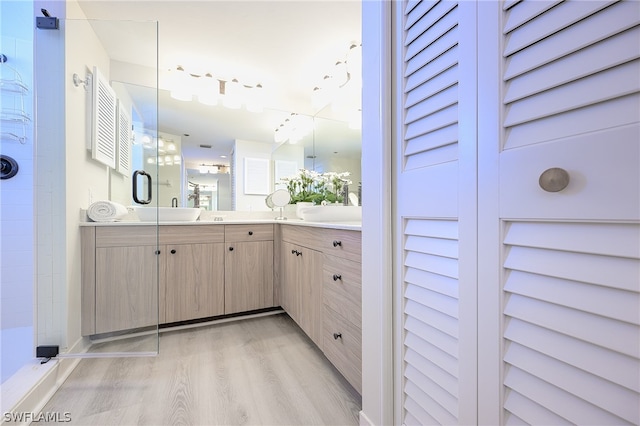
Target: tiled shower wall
(17,193)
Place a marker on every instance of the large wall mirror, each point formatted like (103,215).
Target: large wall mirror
(283,62)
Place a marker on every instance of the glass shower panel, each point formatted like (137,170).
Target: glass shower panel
(108,289)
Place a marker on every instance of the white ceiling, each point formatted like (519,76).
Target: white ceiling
(287,46)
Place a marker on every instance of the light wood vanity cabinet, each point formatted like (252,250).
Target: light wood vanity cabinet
(248,267)
(210,270)
(120,282)
(326,292)
(301,287)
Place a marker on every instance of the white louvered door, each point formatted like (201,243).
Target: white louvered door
(568,288)
(434,205)
(517,305)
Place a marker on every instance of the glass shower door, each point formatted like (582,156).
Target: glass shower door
(107,292)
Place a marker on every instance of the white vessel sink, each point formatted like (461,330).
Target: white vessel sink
(167,214)
(331,213)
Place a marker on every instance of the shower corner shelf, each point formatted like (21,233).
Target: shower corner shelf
(13,90)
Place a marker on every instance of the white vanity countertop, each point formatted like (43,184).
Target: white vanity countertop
(352,226)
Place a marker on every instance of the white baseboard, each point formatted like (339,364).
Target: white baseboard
(364,420)
(26,393)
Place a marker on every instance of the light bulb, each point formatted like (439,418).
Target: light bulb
(208,90)
(340,74)
(181,89)
(232,96)
(255,98)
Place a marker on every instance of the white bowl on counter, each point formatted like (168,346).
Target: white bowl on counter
(167,214)
(331,213)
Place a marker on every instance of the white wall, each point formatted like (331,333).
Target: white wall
(377,341)
(16,194)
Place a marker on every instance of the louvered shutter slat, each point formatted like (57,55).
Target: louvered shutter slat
(103,132)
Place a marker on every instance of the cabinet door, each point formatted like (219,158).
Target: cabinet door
(289,293)
(248,276)
(194,281)
(126,289)
(302,288)
(309,279)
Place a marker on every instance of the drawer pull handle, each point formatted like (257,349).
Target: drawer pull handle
(554,179)
(296,252)
(337,277)
(173,251)
(337,336)
(337,243)
(230,248)
(250,232)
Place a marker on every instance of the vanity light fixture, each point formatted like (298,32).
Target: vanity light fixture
(213,168)
(232,97)
(342,86)
(293,129)
(209,90)
(181,85)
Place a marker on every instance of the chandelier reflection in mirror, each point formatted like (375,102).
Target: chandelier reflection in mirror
(161,152)
(341,87)
(213,168)
(293,129)
(209,90)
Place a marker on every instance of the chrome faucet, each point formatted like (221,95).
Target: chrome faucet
(174,202)
(195,196)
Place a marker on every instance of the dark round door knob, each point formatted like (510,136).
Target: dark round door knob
(230,248)
(337,277)
(157,251)
(250,232)
(337,336)
(337,243)
(173,251)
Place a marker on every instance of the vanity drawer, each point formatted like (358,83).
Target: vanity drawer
(191,234)
(343,243)
(125,236)
(342,345)
(342,287)
(238,233)
(302,235)
(337,242)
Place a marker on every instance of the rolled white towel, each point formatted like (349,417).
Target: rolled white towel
(106,211)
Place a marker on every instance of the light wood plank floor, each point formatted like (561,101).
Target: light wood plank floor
(261,371)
